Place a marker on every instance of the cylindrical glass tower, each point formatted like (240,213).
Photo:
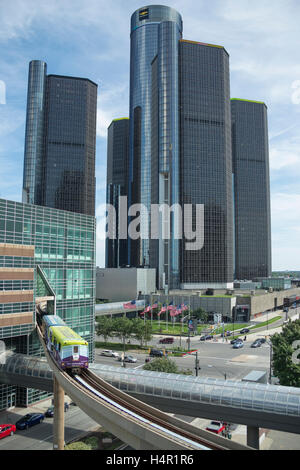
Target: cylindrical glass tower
(34,132)
(155,34)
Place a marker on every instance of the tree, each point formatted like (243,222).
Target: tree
(200,314)
(141,330)
(105,327)
(284,365)
(123,329)
(162,365)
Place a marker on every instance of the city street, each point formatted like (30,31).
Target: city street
(215,359)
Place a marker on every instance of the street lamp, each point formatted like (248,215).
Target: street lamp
(196,363)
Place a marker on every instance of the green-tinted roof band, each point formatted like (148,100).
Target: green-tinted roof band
(119,119)
(201,43)
(248,101)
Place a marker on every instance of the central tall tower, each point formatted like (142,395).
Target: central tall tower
(154,132)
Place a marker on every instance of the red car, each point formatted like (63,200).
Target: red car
(216,426)
(7,430)
(166,341)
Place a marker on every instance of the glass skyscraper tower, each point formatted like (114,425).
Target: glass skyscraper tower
(155,34)
(206,161)
(185,151)
(251,189)
(117,185)
(60,141)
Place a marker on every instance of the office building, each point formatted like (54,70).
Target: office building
(206,168)
(155,34)
(60,141)
(46,255)
(251,189)
(116,186)
(181,136)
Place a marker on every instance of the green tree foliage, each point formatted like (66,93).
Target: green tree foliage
(105,327)
(123,329)
(141,330)
(284,366)
(200,314)
(162,365)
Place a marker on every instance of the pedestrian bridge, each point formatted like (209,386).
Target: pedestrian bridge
(253,404)
(114,308)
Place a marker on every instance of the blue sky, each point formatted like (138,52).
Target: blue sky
(91,39)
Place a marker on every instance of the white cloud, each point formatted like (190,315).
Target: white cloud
(113,102)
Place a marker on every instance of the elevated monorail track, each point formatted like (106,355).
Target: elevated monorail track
(134,422)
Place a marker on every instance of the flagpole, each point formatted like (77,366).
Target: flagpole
(167,314)
(151,308)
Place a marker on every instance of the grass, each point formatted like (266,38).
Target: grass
(265,323)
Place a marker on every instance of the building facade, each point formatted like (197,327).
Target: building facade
(206,166)
(190,158)
(46,255)
(252,213)
(60,141)
(117,186)
(155,34)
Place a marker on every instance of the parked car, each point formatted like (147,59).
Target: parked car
(216,426)
(238,345)
(157,353)
(29,420)
(7,430)
(166,340)
(206,337)
(127,359)
(244,330)
(109,353)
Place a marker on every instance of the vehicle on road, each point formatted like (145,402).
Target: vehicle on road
(216,426)
(109,353)
(7,430)
(29,420)
(127,359)
(236,340)
(227,333)
(206,337)
(50,411)
(256,344)
(244,330)
(166,340)
(157,353)
(238,345)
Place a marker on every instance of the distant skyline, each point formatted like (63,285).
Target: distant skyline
(91,40)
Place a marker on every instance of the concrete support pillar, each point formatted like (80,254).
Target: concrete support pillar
(253,437)
(59,416)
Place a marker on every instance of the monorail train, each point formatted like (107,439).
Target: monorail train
(68,349)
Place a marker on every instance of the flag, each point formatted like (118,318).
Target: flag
(147,309)
(129,304)
(155,305)
(184,307)
(170,306)
(163,309)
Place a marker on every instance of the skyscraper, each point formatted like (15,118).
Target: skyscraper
(116,186)
(251,189)
(180,155)
(155,34)
(60,141)
(206,168)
